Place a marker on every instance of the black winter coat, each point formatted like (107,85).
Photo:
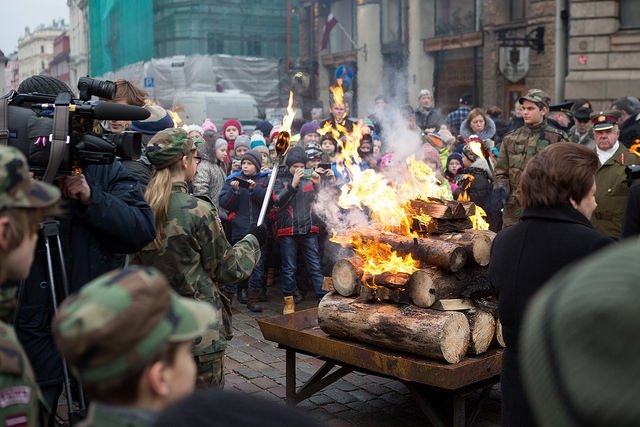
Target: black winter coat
(523,258)
(95,239)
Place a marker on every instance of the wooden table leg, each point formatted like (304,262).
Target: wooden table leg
(290,361)
(459,407)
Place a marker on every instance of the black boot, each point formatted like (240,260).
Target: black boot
(242,295)
(253,303)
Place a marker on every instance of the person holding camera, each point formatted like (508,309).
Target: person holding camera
(105,218)
(294,193)
(23,204)
(242,196)
(190,248)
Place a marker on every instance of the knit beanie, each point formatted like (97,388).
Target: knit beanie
(242,141)
(264,127)
(221,142)
(157,121)
(257,139)
(233,123)
(191,128)
(274,132)
(454,156)
(254,157)
(208,125)
(262,149)
(307,128)
(296,155)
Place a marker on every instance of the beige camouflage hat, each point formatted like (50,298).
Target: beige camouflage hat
(118,322)
(17,189)
(536,95)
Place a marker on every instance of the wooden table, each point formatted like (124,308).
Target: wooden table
(299,333)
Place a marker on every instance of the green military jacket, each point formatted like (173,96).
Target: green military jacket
(101,415)
(612,192)
(21,403)
(518,147)
(196,258)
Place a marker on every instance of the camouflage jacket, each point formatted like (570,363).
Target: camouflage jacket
(20,400)
(612,192)
(196,258)
(518,147)
(101,415)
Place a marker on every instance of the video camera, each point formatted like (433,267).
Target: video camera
(46,127)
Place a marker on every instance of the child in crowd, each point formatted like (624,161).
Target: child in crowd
(242,145)
(453,172)
(242,196)
(329,147)
(259,144)
(432,159)
(298,228)
(231,129)
(211,172)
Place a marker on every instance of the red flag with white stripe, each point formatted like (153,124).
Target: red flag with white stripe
(328,26)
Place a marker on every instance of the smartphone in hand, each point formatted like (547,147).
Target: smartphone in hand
(243,182)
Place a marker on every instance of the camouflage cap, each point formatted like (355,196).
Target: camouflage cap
(536,95)
(17,188)
(117,322)
(168,146)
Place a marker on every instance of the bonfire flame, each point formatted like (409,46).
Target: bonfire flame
(388,205)
(379,258)
(337,92)
(635,147)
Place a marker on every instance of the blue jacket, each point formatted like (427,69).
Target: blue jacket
(243,205)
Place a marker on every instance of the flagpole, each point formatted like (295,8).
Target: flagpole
(346,34)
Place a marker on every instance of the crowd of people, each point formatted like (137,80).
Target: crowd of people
(168,241)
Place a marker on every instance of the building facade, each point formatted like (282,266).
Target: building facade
(78,40)
(35,48)
(493,49)
(59,65)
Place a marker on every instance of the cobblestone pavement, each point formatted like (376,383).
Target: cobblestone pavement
(257,366)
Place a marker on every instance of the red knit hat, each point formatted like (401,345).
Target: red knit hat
(232,122)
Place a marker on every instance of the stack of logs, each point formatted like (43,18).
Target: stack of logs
(428,312)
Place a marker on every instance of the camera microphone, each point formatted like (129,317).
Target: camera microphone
(105,110)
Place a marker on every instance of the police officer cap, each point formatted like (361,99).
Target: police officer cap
(564,106)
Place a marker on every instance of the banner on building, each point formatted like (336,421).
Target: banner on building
(513,62)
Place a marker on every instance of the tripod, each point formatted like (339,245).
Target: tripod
(50,229)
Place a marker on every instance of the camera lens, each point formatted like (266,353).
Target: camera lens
(93,87)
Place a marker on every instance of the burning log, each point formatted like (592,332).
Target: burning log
(439,226)
(442,335)
(477,245)
(347,276)
(429,252)
(483,328)
(443,209)
(387,279)
(426,286)
(384,294)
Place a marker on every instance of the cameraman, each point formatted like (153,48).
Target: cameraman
(107,217)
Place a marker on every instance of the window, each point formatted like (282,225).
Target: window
(41,48)
(517,9)
(392,17)
(629,14)
(455,17)
(342,37)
